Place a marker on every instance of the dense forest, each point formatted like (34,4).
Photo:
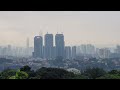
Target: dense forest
(57,73)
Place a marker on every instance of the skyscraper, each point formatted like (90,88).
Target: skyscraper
(44,52)
(48,46)
(104,53)
(59,42)
(90,50)
(38,47)
(9,50)
(117,49)
(67,52)
(83,49)
(73,52)
(54,52)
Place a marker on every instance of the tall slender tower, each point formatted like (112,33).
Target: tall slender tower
(38,47)
(73,52)
(67,52)
(59,42)
(48,46)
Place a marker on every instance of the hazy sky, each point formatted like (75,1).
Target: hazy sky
(78,27)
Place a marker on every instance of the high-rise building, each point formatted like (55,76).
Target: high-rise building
(73,52)
(67,52)
(90,50)
(9,50)
(104,53)
(38,47)
(83,49)
(116,52)
(54,52)
(44,52)
(59,42)
(78,50)
(117,49)
(96,52)
(48,46)
(107,53)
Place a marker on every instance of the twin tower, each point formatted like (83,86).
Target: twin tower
(49,51)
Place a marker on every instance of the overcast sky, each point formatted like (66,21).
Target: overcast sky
(78,27)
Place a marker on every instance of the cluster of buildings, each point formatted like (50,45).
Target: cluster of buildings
(89,50)
(49,51)
(103,53)
(12,51)
(48,48)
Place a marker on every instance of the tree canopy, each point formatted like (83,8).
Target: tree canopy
(58,73)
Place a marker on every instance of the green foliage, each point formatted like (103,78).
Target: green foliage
(77,76)
(114,72)
(21,75)
(93,73)
(6,74)
(54,73)
(58,73)
(110,76)
(12,77)
(28,70)
(25,68)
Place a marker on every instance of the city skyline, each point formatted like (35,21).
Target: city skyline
(48,51)
(78,27)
